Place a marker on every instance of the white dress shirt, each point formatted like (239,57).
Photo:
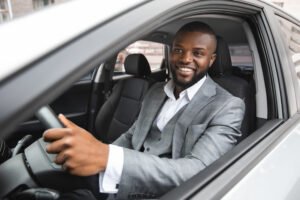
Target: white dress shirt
(110,178)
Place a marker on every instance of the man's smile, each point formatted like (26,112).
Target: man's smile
(185,69)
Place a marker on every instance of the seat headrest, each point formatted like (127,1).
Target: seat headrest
(222,64)
(137,64)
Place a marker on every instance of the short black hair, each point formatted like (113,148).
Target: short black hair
(197,26)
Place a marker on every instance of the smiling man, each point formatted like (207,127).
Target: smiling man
(193,53)
(183,127)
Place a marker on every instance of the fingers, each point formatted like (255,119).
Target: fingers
(56,134)
(66,122)
(62,157)
(59,145)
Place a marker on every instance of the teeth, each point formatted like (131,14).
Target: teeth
(184,69)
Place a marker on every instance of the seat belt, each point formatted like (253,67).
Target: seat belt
(107,81)
(166,60)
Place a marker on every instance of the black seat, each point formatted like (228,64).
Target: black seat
(221,72)
(122,107)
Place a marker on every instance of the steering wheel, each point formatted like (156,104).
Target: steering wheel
(35,167)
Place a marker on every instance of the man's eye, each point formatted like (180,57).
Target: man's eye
(197,53)
(177,51)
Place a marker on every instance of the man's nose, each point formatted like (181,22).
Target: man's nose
(186,57)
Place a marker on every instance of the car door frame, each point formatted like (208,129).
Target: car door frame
(218,179)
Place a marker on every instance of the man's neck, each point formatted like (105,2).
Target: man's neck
(178,89)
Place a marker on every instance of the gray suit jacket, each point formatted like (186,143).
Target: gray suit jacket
(207,128)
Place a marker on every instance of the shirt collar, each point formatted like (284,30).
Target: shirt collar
(190,92)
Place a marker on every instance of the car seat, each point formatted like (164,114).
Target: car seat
(221,72)
(122,107)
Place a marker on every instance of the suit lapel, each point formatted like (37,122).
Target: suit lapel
(150,114)
(204,95)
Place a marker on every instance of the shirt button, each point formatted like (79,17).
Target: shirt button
(147,149)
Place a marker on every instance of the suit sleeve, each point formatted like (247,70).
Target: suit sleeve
(149,174)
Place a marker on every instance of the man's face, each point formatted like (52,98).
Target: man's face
(192,55)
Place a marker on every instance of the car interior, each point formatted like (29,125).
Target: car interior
(109,107)
(121,108)
(237,67)
(107,102)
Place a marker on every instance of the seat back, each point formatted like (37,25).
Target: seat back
(221,73)
(122,107)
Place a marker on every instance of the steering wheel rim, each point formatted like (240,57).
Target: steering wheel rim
(47,117)
(36,168)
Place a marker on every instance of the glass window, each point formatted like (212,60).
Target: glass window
(153,51)
(240,55)
(241,58)
(291,35)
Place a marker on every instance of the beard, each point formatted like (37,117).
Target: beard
(185,85)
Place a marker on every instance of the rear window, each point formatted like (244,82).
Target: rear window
(240,55)
(241,58)
(154,52)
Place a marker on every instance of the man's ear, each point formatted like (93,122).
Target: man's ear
(212,59)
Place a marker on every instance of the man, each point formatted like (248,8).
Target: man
(183,127)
